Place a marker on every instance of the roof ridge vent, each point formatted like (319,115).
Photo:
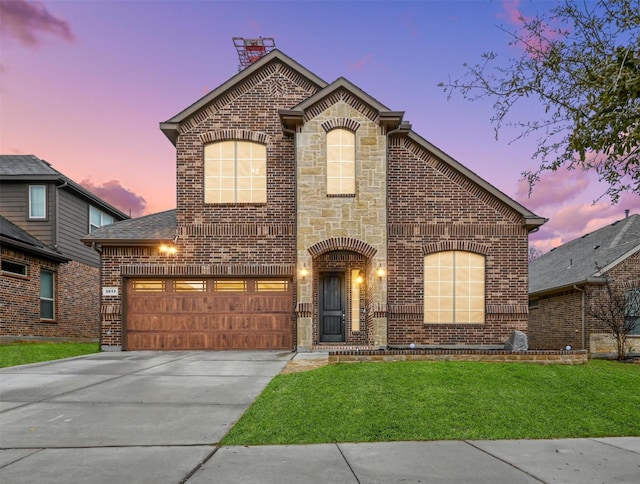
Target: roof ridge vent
(618,237)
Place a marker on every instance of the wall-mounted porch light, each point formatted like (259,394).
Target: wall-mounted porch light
(380,272)
(304,272)
(168,249)
(359,278)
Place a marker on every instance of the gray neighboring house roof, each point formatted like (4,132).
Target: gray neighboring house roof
(13,236)
(150,229)
(30,168)
(585,259)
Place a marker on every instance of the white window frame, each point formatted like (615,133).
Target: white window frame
(441,286)
(215,179)
(340,183)
(104,218)
(32,214)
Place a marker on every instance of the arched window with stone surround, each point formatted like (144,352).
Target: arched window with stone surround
(341,162)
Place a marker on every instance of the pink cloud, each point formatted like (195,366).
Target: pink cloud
(574,220)
(566,197)
(535,45)
(27,21)
(553,188)
(118,196)
(408,22)
(361,63)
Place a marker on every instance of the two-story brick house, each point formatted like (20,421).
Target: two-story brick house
(49,279)
(309,214)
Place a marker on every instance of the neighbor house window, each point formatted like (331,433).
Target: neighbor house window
(632,312)
(14,268)
(47,295)
(341,162)
(235,172)
(454,287)
(98,219)
(37,202)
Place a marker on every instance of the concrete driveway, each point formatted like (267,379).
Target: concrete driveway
(147,417)
(153,417)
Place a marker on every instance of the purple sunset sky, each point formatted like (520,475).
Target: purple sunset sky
(85,84)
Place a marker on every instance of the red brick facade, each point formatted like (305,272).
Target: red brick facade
(430,206)
(77,302)
(434,208)
(555,320)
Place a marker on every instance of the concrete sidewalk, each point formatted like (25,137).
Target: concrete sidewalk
(156,417)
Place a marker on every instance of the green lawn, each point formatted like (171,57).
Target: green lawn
(23,353)
(371,402)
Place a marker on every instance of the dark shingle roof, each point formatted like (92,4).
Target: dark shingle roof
(25,165)
(13,236)
(152,228)
(580,260)
(32,168)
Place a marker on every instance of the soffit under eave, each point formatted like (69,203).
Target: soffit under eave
(530,220)
(171,126)
(30,249)
(594,281)
(126,242)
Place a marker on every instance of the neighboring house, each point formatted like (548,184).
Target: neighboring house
(49,280)
(309,215)
(566,282)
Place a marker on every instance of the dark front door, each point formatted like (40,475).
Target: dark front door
(332,297)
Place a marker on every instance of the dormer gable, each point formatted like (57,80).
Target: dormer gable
(341,90)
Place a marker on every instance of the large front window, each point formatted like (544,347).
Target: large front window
(454,287)
(235,172)
(341,162)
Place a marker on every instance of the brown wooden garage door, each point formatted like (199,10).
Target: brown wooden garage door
(215,314)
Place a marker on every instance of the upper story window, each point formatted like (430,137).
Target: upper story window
(235,171)
(341,162)
(98,219)
(37,202)
(454,287)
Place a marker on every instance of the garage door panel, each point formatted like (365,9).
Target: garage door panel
(208,319)
(220,340)
(149,304)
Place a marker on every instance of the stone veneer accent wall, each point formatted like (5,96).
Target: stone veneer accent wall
(321,217)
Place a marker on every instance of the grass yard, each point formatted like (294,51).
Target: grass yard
(23,353)
(370,402)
